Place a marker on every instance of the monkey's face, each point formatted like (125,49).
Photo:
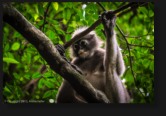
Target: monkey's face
(84,48)
(80,49)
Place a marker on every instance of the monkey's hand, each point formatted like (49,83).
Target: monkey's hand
(108,21)
(61,51)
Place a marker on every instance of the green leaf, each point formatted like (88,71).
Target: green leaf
(35,16)
(55,5)
(70,29)
(49,84)
(15,46)
(40,9)
(60,31)
(64,21)
(6,48)
(144,10)
(41,83)
(16,76)
(47,74)
(27,76)
(152,66)
(51,35)
(16,35)
(47,94)
(67,14)
(36,58)
(37,97)
(10,60)
(36,75)
(6,89)
(77,18)
(69,5)
(36,9)
(61,42)
(68,37)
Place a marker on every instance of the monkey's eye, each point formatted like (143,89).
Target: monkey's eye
(83,43)
(76,46)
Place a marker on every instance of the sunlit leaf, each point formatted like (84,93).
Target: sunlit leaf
(10,60)
(68,37)
(35,16)
(15,46)
(64,21)
(36,75)
(49,84)
(47,94)
(16,35)
(41,83)
(51,34)
(66,14)
(47,74)
(6,90)
(55,5)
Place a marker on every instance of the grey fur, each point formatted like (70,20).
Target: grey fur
(102,68)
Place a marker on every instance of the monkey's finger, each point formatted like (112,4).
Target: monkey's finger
(103,14)
(60,49)
(111,15)
(103,17)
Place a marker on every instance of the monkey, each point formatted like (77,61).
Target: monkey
(101,67)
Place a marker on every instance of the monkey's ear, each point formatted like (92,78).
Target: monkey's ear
(91,35)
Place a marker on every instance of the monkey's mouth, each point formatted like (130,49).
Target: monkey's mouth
(82,53)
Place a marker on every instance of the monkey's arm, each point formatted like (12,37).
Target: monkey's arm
(120,67)
(115,89)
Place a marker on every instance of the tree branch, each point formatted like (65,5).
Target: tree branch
(47,50)
(95,24)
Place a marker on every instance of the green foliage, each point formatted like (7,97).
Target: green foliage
(10,60)
(22,62)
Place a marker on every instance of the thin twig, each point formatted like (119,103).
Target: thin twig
(101,6)
(131,66)
(45,15)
